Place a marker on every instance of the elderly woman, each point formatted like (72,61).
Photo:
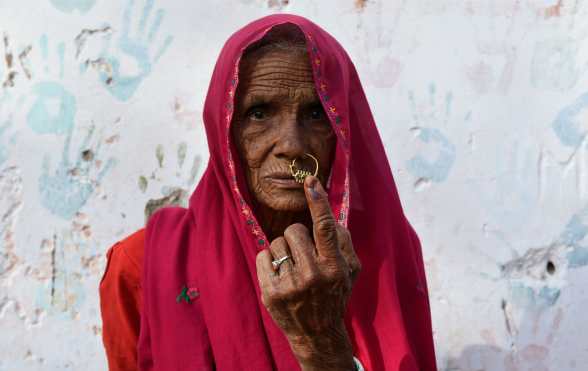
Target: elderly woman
(257,273)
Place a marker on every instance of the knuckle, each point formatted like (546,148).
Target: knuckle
(326,227)
(276,243)
(311,280)
(295,229)
(335,274)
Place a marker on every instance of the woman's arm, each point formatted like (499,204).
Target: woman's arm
(120,302)
(307,293)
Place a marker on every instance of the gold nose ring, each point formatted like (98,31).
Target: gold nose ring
(300,174)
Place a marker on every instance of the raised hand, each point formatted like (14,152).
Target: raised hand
(307,294)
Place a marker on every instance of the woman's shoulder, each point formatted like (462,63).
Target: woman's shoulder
(125,257)
(133,247)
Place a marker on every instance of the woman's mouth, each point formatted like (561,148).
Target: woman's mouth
(284,180)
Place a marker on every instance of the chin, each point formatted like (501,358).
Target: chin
(293,201)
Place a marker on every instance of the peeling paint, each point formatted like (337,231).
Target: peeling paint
(176,197)
(82,37)
(8,59)
(279,4)
(11,202)
(159,154)
(554,10)
(360,4)
(484,121)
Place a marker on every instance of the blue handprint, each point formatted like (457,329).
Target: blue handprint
(68,189)
(438,169)
(69,6)
(568,121)
(575,236)
(54,108)
(139,48)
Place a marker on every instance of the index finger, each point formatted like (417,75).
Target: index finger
(323,221)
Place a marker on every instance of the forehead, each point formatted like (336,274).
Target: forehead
(276,72)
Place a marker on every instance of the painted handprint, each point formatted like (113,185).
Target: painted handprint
(67,189)
(575,236)
(555,64)
(177,192)
(558,60)
(69,6)
(570,125)
(534,343)
(430,122)
(531,345)
(135,53)
(54,107)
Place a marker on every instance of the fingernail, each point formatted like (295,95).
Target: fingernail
(314,194)
(315,189)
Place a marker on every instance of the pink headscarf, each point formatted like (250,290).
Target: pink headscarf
(210,248)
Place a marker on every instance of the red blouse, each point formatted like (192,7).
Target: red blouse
(120,302)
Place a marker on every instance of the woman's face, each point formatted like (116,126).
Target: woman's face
(278,118)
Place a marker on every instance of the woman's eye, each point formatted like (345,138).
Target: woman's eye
(257,114)
(316,113)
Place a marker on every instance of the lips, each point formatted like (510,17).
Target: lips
(283,180)
(280,176)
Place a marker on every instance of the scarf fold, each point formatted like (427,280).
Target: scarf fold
(210,248)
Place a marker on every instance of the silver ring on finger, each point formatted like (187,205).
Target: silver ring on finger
(276,263)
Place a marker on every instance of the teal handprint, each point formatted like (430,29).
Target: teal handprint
(431,121)
(575,236)
(568,124)
(438,169)
(54,108)
(136,49)
(69,6)
(65,191)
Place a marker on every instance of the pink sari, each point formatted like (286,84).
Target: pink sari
(207,252)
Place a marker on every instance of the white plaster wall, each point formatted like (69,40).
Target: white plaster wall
(482,106)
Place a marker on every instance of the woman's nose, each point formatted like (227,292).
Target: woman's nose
(291,142)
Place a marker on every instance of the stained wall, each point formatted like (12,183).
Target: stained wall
(482,107)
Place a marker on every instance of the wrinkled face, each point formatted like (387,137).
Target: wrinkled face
(278,117)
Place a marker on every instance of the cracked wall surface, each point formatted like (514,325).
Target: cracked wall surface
(482,107)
